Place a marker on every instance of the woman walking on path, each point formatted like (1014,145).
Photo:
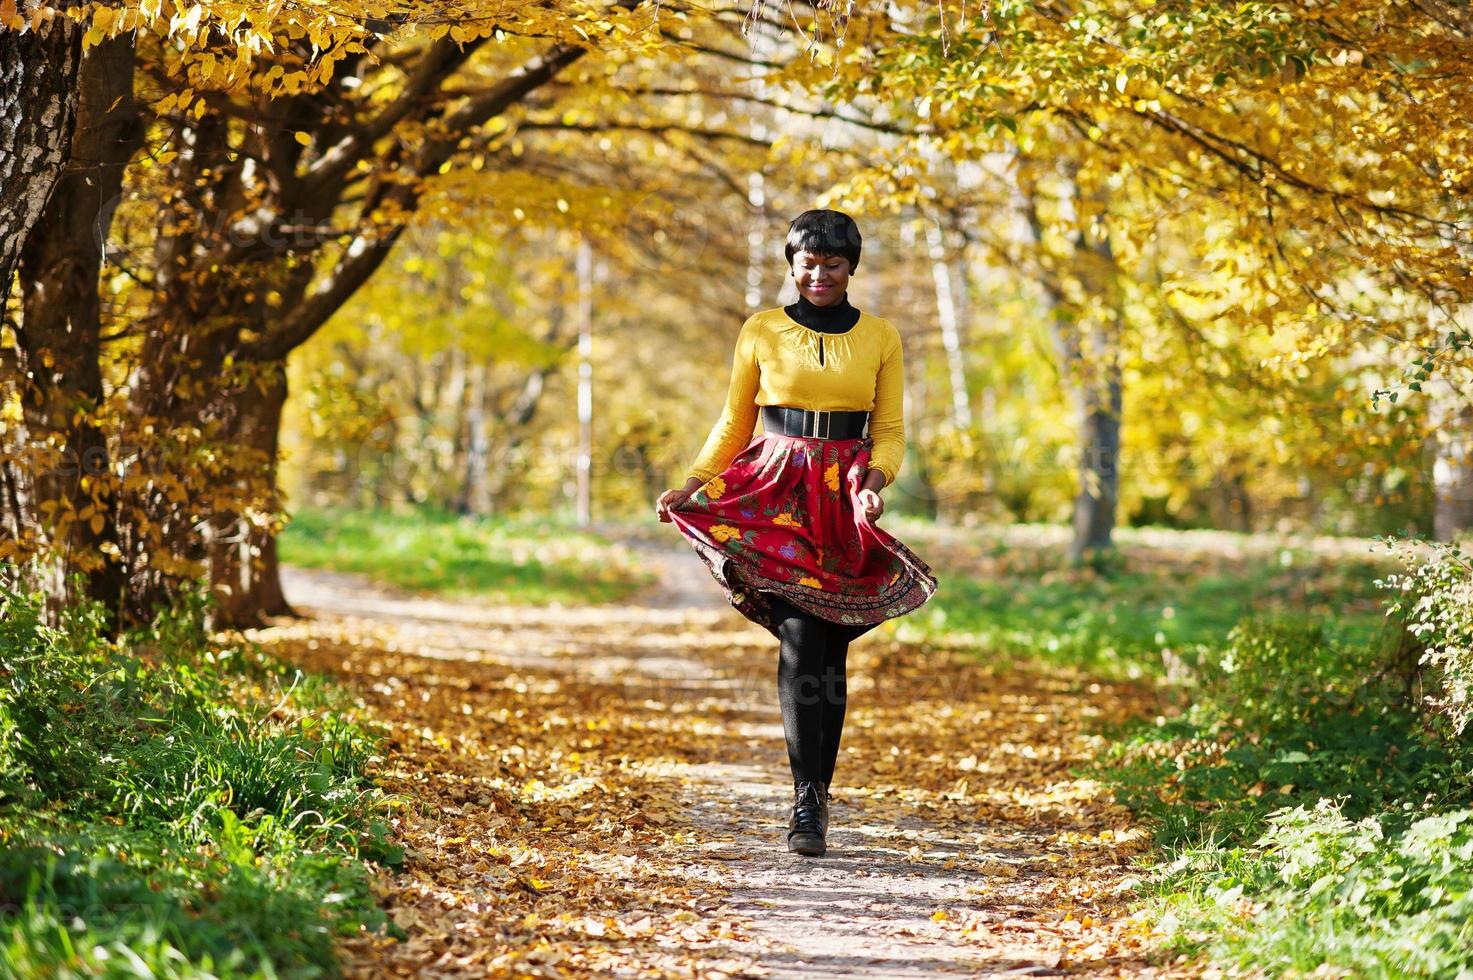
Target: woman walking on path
(785,522)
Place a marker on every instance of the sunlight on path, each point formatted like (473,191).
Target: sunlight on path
(604,791)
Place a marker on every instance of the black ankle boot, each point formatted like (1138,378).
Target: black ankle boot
(809,820)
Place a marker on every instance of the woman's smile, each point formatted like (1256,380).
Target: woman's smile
(820,278)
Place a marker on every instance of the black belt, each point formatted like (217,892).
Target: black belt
(781,420)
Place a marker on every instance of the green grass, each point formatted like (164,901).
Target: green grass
(1307,815)
(1385,896)
(1137,618)
(176,807)
(514,561)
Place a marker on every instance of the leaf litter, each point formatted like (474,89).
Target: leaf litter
(604,790)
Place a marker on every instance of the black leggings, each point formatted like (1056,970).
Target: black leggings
(812,688)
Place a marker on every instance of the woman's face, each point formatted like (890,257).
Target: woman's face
(820,278)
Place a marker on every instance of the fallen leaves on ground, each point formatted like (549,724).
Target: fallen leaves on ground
(548,821)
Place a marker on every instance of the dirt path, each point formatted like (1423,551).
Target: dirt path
(604,791)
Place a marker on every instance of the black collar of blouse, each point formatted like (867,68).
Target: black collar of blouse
(834,318)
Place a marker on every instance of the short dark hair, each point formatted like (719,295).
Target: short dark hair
(824,232)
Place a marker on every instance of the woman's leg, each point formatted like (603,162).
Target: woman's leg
(803,654)
(836,695)
(812,688)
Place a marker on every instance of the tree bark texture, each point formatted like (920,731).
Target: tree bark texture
(38,103)
(60,336)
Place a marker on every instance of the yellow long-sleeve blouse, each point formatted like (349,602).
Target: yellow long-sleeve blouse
(777,362)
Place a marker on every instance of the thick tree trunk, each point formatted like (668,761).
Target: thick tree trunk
(60,341)
(38,100)
(265,591)
(244,572)
(38,103)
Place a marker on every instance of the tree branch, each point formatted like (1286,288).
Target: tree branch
(441,61)
(735,96)
(646,128)
(369,249)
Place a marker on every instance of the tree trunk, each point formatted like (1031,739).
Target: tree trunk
(38,101)
(1099,469)
(245,574)
(584,265)
(38,104)
(59,342)
(945,269)
(472,499)
(1089,360)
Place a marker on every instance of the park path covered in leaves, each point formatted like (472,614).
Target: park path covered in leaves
(604,791)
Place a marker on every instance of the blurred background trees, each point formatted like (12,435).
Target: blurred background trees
(1205,266)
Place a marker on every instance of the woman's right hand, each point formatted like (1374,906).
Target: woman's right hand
(673,498)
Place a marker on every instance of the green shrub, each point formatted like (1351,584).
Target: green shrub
(157,818)
(1312,817)
(127,902)
(64,695)
(1272,671)
(1433,599)
(1382,896)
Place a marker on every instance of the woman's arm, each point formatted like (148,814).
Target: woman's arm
(887,420)
(733,430)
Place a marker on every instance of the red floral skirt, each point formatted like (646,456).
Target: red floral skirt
(784,519)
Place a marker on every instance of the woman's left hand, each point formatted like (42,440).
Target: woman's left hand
(871,503)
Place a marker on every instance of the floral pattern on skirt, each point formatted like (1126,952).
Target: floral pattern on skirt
(784,518)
